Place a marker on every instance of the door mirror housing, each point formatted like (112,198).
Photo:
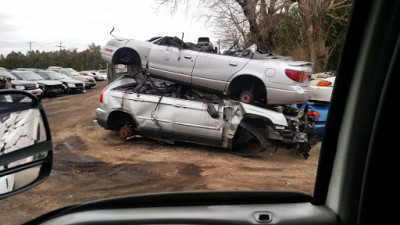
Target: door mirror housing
(25,143)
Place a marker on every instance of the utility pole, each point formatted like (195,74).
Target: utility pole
(30,45)
(60,46)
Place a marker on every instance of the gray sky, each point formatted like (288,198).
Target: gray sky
(78,23)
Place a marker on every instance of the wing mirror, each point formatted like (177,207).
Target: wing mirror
(25,143)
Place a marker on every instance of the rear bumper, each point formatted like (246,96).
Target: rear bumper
(101,117)
(288,94)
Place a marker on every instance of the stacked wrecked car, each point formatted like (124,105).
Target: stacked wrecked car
(173,91)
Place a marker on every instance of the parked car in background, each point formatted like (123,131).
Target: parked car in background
(103,73)
(87,80)
(19,83)
(93,74)
(49,87)
(321,87)
(73,86)
(251,76)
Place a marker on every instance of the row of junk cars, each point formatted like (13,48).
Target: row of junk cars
(50,82)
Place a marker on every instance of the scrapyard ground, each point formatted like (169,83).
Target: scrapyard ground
(92,163)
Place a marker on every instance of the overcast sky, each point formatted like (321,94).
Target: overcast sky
(77,23)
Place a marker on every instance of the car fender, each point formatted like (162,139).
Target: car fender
(107,52)
(143,49)
(276,118)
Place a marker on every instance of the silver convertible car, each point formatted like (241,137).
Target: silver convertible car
(170,112)
(250,76)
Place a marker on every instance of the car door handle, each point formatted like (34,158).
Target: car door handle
(233,64)
(188,57)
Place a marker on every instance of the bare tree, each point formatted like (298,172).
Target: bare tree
(257,21)
(314,14)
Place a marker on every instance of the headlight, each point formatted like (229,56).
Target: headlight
(71,85)
(20,87)
(37,85)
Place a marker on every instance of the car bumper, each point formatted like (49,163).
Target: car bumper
(288,94)
(53,92)
(75,90)
(90,85)
(101,117)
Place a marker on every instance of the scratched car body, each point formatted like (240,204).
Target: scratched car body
(170,112)
(250,76)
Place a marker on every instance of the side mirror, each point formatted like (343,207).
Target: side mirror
(25,143)
(212,111)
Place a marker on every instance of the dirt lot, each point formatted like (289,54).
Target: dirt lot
(91,163)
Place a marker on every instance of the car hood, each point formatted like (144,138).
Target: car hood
(22,82)
(70,81)
(49,82)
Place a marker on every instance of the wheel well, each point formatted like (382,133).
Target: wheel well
(248,83)
(117,119)
(126,56)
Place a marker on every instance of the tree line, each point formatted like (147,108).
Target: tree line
(89,59)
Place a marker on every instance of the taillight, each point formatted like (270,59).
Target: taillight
(298,76)
(324,83)
(101,95)
(313,114)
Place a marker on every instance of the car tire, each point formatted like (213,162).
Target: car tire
(246,97)
(125,132)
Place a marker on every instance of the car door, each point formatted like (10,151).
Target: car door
(172,63)
(192,123)
(152,114)
(214,70)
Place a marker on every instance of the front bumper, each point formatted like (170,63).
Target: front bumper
(90,84)
(53,92)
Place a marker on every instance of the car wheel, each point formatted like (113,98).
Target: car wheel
(246,97)
(125,132)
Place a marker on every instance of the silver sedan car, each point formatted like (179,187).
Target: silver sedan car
(250,76)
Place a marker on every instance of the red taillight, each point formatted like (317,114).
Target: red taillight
(298,76)
(101,95)
(313,114)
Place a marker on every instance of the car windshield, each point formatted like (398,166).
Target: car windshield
(73,73)
(28,75)
(8,74)
(50,75)
(238,112)
(65,76)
